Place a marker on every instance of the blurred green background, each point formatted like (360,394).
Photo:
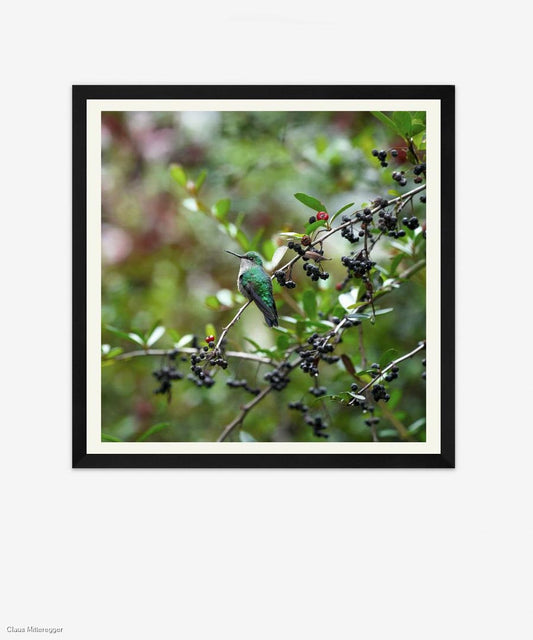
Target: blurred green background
(164,262)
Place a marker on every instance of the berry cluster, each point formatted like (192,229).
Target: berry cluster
(199,376)
(375,370)
(379,392)
(388,223)
(392,374)
(318,351)
(318,426)
(349,233)
(299,406)
(281,277)
(381,156)
(165,375)
(278,378)
(419,168)
(235,384)
(380,202)
(410,223)
(357,266)
(296,246)
(399,177)
(315,272)
(366,214)
(318,391)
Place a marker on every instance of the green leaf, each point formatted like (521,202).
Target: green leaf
(404,247)
(418,139)
(200,180)
(239,219)
(152,430)
(388,433)
(278,255)
(184,340)
(118,332)
(402,120)
(309,303)
(254,344)
(292,234)
(386,120)
(107,437)
(268,249)
(212,302)
(225,297)
(314,225)
(310,202)
(155,335)
(256,239)
(281,329)
(179,175)
(342,209)
(221,208)
(134,337)
(381,312)
(241,238)
(113,353)
(174,335)
(283,342)
(244,436)
(395,263)
(349,299)
(417,425)
(393,192)
(191,204)
(321,144)
(288,319)
(210,329)
(417,127)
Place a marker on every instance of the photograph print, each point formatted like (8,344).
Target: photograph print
(264,280)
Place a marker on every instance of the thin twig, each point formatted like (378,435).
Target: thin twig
(189,350)
(244,410)
(228,327)
(421,346)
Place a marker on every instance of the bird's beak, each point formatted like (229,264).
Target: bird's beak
(235,254)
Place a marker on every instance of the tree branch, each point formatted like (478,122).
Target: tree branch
(244,410)
(421,346)
(189,350)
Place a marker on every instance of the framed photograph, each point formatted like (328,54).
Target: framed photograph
(263,276)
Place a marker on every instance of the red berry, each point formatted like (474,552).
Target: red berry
(322,215)
(210,339)
(339,286)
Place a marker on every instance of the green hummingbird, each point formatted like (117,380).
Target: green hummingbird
(254,283)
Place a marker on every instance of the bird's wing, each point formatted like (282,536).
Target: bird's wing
(269,310)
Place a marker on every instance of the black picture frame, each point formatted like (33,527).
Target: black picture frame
(81,458)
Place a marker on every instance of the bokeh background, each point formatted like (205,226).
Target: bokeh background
(164,263)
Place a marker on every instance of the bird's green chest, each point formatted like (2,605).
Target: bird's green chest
(257,280)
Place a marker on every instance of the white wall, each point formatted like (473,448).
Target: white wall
(267,554)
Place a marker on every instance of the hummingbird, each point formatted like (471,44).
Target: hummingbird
(254,283)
